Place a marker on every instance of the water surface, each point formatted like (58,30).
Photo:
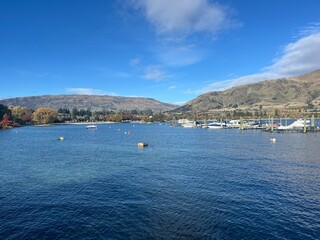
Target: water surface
(187,184)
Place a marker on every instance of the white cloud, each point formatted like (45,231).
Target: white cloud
(88,91)
(299,57)
(183,17)
(172,87)
(177,22)
(155,73)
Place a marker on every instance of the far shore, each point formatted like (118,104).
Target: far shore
(82,123)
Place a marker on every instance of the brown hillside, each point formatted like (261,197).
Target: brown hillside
(295,92)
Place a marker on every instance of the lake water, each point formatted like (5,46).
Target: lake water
(187,184)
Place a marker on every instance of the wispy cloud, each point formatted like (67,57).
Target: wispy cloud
(155,73)
(179,24)
(88,91)
(296,58)
(172,87)
(184,17)
(308,30)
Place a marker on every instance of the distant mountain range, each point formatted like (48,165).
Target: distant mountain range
(92,102)
(294,92)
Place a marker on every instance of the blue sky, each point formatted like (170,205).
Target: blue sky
(170,50)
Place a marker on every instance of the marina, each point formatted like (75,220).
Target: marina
(281,125)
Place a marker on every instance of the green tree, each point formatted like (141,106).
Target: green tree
(75,113)
(4,110)
(64,110)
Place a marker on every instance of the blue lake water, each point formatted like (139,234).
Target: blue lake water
(187,184)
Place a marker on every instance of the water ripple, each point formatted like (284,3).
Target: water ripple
(188,184)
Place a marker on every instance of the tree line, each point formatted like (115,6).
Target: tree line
(15,116)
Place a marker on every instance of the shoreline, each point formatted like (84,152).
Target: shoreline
(83,123)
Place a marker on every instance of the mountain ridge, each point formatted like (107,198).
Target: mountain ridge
(92,102)
(292,92)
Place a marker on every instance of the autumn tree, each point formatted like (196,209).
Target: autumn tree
(5,122)
(20,114)
(44,115)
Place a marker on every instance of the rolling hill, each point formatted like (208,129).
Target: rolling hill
(294,92)
(92,102)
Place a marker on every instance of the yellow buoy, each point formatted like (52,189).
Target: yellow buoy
(60,138)
(142,144)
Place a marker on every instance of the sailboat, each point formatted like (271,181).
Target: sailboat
(298,124)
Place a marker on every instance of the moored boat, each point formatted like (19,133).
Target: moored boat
(216,125)
(190,124)
(91,127)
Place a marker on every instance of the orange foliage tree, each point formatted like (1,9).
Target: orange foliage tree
(5,122)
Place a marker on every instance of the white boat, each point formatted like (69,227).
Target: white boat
(91,127)
(216,125)
(245,124)
(233,124)
(298,124)
(190,124)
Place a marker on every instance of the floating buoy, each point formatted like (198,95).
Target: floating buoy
(60,138)
(142,144)
(273,140)
(129,132)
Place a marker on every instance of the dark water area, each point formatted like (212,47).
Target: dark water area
(187,184)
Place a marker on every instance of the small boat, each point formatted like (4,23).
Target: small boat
(235,123)
(216,125)
(91,127)
(188,124)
